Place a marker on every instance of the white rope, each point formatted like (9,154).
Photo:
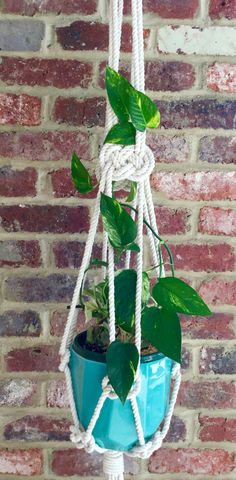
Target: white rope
(133,163)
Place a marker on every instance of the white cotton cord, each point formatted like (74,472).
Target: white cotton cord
(153,222)
(137,421)
(154,256)
(111,274)
(138,302)
(113,465)
(128,253)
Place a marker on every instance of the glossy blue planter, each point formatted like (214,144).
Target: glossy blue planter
(115,428)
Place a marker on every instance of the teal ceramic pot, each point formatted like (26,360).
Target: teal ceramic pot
(115,428)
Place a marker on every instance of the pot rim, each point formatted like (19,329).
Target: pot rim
(101,357)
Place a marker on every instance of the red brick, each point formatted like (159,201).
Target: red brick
(36,428)
(200,258)
(168,149)
(218,150)
(18,253)
(177,431)
(222,9)
(24,7)
(17,392)
(169,8)
(33,359)
(206,394)
(217,360)
(20,324)
(172,221)
(19,109)
(217,429)
(217,221)
(196,185)
(192,461)
(197,113)
(46,218)
(69,254)
(63,186)
(46,72)
(58,320)
(72,462)
(217,327)
(221,77)
(169,76)
(88,112)
(57,396)
(53,288)
(18,183)
(21,462)
(82,35)
(218,291)
(186,359)
(44,146)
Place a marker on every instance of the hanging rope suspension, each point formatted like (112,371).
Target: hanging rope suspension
(117,163)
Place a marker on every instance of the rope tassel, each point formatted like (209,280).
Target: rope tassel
(113,465)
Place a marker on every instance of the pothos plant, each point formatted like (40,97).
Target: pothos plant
(169,297)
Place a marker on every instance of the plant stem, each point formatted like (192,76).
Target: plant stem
(155,235)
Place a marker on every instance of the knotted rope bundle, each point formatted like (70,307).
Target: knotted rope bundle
(119,163)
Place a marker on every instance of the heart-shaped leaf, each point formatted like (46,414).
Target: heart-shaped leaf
(143,111)
(121,134)
(125,297)
(121,228)
(177,296)
(117,90)
(162,329)
(80,175)
(122,363)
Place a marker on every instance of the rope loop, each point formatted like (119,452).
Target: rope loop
(125,163)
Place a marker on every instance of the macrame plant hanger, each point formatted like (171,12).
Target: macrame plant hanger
(117,163)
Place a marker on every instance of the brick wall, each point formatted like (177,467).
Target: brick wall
(52,101)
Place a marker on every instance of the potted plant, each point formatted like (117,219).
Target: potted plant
(92,355)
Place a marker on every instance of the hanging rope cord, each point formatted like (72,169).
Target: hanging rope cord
(119,164)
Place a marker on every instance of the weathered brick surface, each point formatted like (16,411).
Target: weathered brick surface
(45,72)
(217,429)
(47,218)
(19,253)
(17,392)
(35,359)
(21,36)
(218,150)
(20,324)
(222,77)
(217,360)
(196,186)
(38,428)
(21,462)
(219,9)
(207,394)
(24,7)
(192,461)
(18,183)
(19,109)
(218,327)
(44,146)
(217,221)
(53,102)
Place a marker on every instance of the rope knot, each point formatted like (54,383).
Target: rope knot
(126,163)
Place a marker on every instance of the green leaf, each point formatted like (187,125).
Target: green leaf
(133,192)
(122,363)
(98,263)
(134,247)
(121,228)
(162,329)
(125,297)
(121,134)
(143,111)
(117,90)
(177,296)
(80,175)
(145,288)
